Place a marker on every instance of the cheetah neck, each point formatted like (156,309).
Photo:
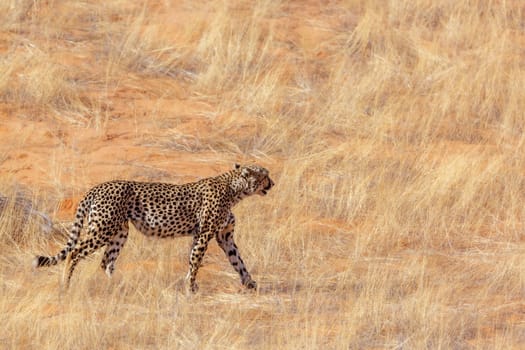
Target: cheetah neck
(239,186)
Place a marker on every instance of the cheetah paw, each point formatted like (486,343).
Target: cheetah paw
(251,284)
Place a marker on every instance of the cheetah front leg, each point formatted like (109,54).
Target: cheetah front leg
(200,244)
(226,242)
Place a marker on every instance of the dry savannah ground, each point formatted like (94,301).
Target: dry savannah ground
(394,131)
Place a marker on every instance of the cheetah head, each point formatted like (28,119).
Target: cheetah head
(257,179)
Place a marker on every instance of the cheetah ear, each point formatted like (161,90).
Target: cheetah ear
(244,171)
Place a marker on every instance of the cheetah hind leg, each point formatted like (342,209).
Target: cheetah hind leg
(84,249)
(113,249)
(65,281)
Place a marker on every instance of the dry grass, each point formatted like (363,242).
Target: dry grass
(394,132)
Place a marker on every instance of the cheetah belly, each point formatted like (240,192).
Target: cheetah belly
(166,224)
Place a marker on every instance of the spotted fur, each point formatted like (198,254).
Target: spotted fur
(200,209)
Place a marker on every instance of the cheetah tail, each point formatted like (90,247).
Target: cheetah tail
(74,234)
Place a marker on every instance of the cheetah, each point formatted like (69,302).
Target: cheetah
(200,209)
